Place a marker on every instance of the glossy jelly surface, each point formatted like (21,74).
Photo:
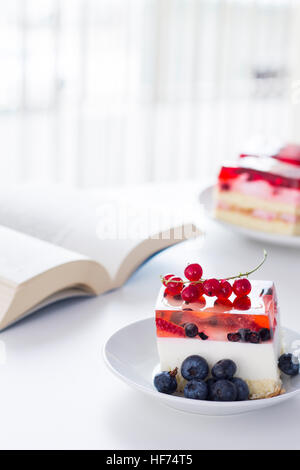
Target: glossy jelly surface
(272,170)
(274,179)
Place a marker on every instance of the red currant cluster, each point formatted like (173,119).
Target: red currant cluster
(195,286)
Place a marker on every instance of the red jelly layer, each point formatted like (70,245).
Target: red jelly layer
(230,173)
(215,326)
(214,318)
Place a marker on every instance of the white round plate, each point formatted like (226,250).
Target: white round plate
(206,198)
(131,354)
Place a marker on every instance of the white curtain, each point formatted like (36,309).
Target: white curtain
(114,92)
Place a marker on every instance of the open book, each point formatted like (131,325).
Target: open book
(56,244)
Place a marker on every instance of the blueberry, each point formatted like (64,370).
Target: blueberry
(210,382)
(244,332)
(166,382)
(224,390)
(264,334)
(203,335)
(288,364)
(234,337)
(253,337)
(241,388)
(224,369)
(196,389)
(194,367)
(191,330)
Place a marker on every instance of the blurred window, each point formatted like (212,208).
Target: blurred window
(100,92)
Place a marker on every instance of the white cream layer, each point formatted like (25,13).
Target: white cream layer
(254,361)
(235,199)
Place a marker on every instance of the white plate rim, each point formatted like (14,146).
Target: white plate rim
(252,405)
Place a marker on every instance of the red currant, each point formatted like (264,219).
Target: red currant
(193,272)
(202,301)
(223,304)
(175,286)
(211,287)
(225,290)
(190,293)
(241,287)
(166,278)
(242,303)
(166,292)
(200,288)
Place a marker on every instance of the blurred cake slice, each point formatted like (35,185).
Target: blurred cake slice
(261,193)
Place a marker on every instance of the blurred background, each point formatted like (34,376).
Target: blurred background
(121,92)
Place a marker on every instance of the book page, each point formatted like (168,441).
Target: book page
(24,257)
(105,225)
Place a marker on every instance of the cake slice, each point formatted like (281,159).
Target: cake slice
(261,193)
(244,329)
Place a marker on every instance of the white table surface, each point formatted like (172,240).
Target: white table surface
(57,393)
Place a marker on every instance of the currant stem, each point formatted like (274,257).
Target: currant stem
(224,278)
(249,272)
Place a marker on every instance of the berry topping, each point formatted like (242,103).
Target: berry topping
(196,389)
(190,293)
(193,272)
(288,364)
(175,286)
(211,287)
(169,327)
(223,390)
(166,382)
(203,335)
(264,334)
(225,290)
(200,289)
(194,367)
(242,303)
(256,175)
(224,304)
(193,287)
(241,388)
(166,278)
(177,297)
(234,337)
(224,369)
(191,330)
(241,287)
(253,337)
(244,332)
